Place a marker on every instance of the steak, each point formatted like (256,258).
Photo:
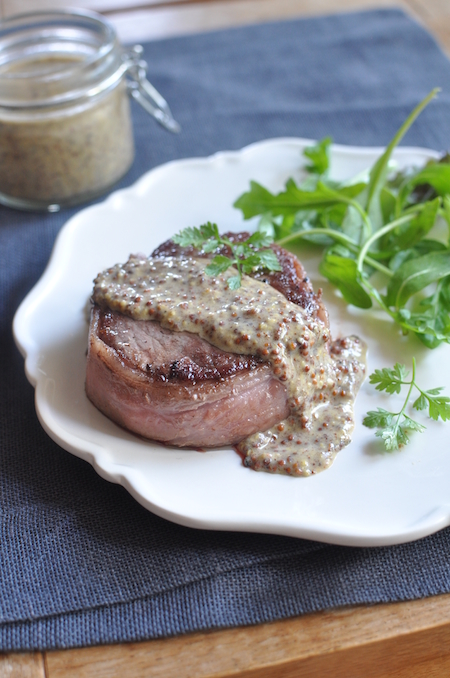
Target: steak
(177,388)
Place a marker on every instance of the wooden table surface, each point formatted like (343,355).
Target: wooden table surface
(401,640)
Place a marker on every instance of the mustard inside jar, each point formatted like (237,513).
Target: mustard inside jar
(65,125)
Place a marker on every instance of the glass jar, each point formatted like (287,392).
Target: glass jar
(65,126)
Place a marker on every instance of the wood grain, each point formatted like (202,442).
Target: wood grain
(150,24)
(22,665)
(365,642)
(435,15)
(20,6)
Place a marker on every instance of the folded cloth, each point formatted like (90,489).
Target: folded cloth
(81,562)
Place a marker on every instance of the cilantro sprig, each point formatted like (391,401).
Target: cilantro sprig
(247,256)
(393,427)
(393,224)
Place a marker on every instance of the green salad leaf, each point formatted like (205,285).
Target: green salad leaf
(394,224)
(393,427)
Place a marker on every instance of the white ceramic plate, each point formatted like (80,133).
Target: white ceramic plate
(368,496)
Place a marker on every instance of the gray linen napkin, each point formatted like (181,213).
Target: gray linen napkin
(80,561)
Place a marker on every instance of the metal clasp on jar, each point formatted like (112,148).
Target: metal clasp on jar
(143,91)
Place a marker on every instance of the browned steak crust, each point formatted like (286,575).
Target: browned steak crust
(168,356)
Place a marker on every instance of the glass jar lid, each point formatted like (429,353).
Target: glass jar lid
(50,58)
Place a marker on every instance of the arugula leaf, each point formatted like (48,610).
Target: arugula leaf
(259,200)
(378,173)
(425,246)
(434,175)
(343,273)
(437,175)
(319,155)
(399,258)
(387,204)
(373,223)
(407,235)
(246,255)
(432,318)
(392,427)
(446,208)
(416,274)
(352,224)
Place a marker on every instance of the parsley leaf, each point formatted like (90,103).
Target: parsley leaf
(389,379)
(218,265)
(246,256)
(197,236)
(393,427)
(378,419)
(438,406)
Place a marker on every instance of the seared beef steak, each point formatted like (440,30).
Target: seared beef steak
(177,388)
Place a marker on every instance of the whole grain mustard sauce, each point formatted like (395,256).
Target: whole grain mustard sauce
(67,152)
(321,377)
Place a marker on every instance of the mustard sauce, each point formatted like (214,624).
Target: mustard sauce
(321,377)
